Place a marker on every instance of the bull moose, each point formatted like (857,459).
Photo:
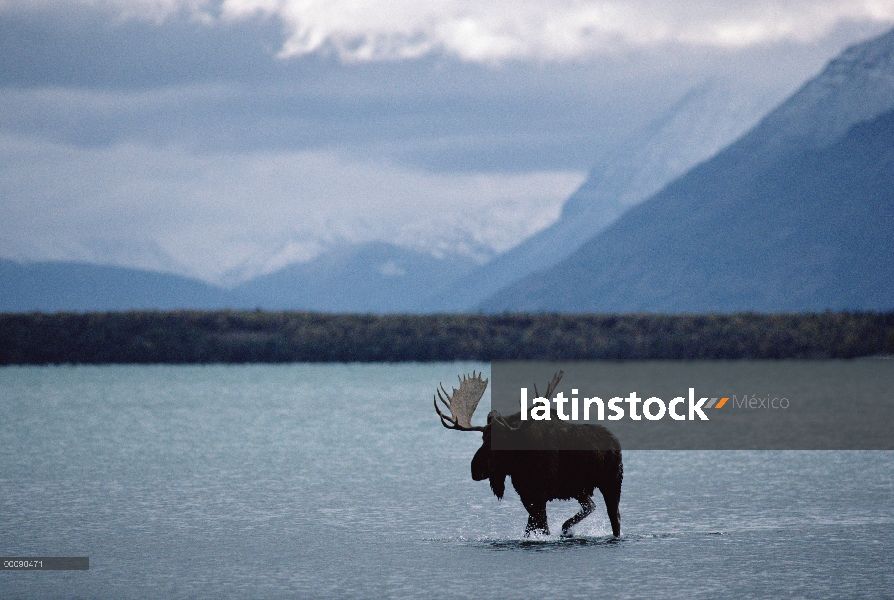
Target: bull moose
(548,472)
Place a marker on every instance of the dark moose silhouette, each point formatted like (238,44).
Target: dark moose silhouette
(548,470)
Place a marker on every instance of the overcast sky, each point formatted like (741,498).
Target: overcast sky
(224,139)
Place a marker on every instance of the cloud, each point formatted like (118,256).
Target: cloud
(534,29)
(438,115)
(154,10)
(167,134)
(226,217)
(498,30)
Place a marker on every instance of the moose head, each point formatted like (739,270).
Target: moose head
(545,474)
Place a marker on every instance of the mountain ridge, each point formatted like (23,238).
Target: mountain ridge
(57,286)
(367,278)
(769,173)
(703,121)
(374,277)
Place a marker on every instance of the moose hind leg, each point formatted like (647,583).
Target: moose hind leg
(586,507)
(537,522)
(612,497)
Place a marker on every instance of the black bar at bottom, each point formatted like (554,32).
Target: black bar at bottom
(44,563)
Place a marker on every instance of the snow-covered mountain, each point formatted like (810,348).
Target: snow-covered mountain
(706,119)
(364,278)
(752,228)
(612,249)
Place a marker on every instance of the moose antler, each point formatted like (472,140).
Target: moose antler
(462,402)
(551,387)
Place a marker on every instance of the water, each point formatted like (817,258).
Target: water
(337,481)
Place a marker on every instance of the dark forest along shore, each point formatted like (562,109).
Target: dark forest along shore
(182,337)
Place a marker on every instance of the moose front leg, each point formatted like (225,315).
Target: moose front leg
(586,507)
(537,522)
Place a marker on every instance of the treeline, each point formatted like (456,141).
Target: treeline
(237,337)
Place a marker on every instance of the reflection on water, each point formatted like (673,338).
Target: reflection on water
(547,545)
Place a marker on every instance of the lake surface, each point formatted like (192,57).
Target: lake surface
(334,480)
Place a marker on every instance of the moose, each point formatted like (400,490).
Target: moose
(547,472)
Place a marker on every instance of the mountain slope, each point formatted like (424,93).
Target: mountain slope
(368,278)
(78,287)
(796,215)
(706,119)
